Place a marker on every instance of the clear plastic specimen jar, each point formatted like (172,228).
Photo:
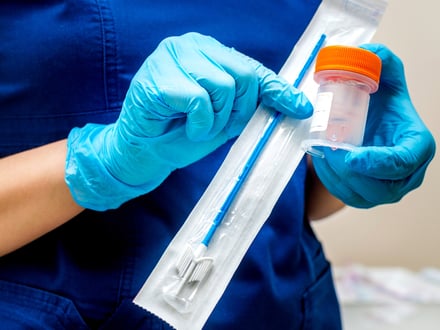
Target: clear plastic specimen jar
(346,77)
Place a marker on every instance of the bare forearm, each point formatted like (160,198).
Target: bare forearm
(320,203)
(34,198)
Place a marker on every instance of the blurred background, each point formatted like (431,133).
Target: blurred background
(408,233)
(387,259)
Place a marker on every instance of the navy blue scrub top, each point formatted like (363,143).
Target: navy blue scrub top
(66,63)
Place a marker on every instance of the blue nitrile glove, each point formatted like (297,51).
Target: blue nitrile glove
(188,98)
(396,151)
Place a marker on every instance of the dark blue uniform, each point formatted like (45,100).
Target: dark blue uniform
(67,63)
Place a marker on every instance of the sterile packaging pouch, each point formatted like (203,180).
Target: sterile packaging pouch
(200,261)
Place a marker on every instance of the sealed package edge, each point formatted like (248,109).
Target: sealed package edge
(200,261)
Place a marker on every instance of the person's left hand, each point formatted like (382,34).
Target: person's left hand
(396,151)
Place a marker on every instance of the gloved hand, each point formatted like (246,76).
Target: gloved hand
(396,151)
(189,97)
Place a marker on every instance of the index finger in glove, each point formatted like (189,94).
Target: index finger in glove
(413,151)
(274,91)
(357,189)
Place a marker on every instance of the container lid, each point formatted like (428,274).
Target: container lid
(351,59)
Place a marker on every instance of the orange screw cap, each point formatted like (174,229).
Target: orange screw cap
(351,59)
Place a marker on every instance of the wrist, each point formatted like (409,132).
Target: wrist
(87,173)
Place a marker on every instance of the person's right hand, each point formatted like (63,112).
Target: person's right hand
(189,97)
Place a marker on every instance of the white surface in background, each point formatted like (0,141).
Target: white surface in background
(388,298)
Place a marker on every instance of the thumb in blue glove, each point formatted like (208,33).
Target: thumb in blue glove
(189,97)
(397,146)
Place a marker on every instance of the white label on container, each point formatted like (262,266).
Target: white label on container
(321,112)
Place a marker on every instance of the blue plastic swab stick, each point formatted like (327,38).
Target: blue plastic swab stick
(270,127)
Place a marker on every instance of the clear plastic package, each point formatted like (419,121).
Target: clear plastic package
(198,264)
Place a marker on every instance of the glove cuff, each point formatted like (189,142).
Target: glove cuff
(91,184)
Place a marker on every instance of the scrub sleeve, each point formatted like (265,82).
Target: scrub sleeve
(66,63)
